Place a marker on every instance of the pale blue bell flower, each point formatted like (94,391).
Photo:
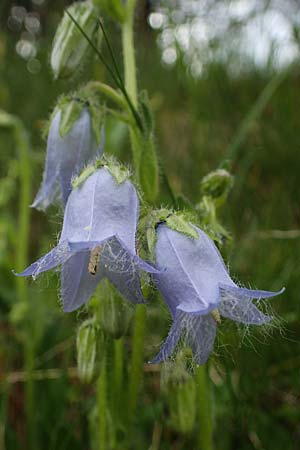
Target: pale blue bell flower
(99,230)
(65,157)
(194,282)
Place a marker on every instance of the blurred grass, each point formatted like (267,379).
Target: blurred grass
(255,377)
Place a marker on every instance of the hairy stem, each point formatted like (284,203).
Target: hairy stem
(109,92)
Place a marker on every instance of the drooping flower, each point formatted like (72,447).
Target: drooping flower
(97,240)
(66,156)
(198,290)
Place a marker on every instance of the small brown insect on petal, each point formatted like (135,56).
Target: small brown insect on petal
(216,316)
(94,260)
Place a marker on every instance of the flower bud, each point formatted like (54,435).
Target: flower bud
(179,389)
(69,45)
(87,340)
(114,314)
(217,184)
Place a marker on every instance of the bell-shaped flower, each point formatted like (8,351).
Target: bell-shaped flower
(66,156)
(97,241)
(198,290)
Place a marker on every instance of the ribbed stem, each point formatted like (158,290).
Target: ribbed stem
(204,410)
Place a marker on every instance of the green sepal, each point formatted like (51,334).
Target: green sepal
(148,225)
(84,175)
(178,223)
(120,172)
(71,106)
(70,113)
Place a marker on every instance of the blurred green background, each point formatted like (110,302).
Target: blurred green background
(219,92)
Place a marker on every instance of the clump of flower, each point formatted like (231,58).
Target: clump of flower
(198,290)
(97,239)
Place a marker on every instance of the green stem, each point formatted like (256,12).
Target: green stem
(109,92)
(205,436)
(102,406)
(136,368)
(130,75)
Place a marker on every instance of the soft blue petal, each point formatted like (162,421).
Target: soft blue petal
(250,293)
(106,209)
(56,256)
(200,334)
(120,267)
(77,284)
(193,268)
(79,148)
(65,158)
(236,304)
(118,264)
(171,341)
(49,190)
